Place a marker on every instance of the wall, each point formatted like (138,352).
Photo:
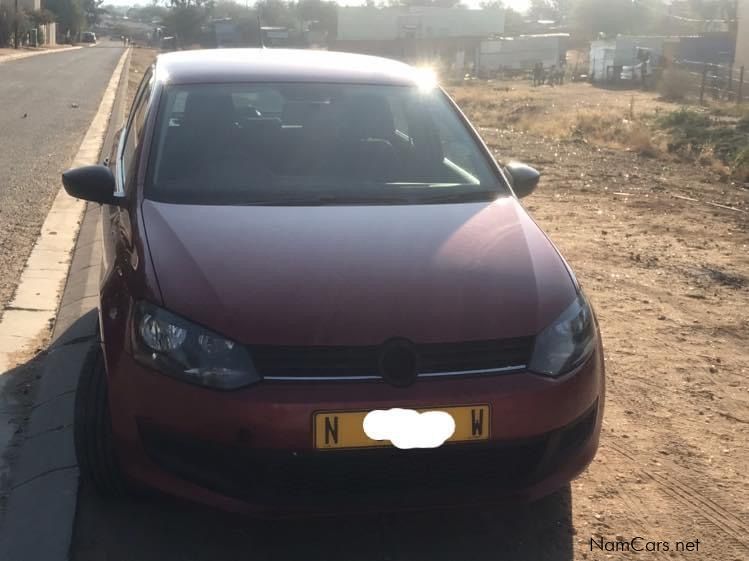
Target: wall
(387,24)
(716,48)
(50,34)
(626,49)
(28,5)
(742,37)
(602,54)
(415,50)
(522,52)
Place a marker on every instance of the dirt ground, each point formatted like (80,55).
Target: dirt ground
(668,275)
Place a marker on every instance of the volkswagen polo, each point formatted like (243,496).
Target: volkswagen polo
(294,240)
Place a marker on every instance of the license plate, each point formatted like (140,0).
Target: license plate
(345,429)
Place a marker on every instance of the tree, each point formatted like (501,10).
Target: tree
(432,3)
(612,17)
(276,13)
(21,24)
(147,14)
(6,27)
(41,17)
(68,14)
(186,3)
(185,22)
(92,10)
(715,11)
(555,10)
(318,14)
(515,23)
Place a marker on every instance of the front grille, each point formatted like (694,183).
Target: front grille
(472,357)
(361,476)
(345,476)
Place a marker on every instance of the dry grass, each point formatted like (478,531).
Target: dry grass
(626,120)
(140,59)
(579,111)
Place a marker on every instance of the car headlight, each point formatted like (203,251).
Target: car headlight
(179,348)
(567,342)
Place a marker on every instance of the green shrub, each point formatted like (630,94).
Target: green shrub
(741,165)
(692,133)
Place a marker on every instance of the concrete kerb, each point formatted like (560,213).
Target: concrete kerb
(42,500)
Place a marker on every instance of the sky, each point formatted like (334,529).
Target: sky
(519,5)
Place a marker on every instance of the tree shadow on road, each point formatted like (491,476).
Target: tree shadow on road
(160,529)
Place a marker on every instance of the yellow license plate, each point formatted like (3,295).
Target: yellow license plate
(345,429)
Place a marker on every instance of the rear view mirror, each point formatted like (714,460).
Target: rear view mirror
(524,178)
(92,183)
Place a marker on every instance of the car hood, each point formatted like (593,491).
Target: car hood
(357,275)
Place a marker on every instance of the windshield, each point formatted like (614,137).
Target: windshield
(302,143)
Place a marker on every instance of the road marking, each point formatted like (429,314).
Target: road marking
(17,56)
(33,309)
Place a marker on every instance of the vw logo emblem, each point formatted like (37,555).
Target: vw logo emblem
(399,363)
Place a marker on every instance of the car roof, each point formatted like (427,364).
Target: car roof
(282,65)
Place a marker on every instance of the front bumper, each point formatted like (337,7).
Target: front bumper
(252,450)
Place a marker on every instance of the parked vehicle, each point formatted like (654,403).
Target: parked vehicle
(294,239)
(88,37)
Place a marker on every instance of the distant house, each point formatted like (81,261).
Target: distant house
(228,33)
(450,34)
(602,56)
(608,59)
(742,36)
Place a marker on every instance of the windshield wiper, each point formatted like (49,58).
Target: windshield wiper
(327,200)
(458,197)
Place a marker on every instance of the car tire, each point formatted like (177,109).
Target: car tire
(94,444)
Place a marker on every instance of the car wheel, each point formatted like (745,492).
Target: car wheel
(94,445)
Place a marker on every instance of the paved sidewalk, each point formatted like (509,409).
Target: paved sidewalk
(23,53)
(42,502)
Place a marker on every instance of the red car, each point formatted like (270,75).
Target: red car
(294,239)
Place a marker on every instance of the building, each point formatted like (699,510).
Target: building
(609,60)
(713,48)
(228,33)
(522,53)
(602,55)
(452,35)
(742,35)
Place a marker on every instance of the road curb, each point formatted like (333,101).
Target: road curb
(19,56)
(42,500)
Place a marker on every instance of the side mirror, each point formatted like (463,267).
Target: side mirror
(524,178)
(92,183)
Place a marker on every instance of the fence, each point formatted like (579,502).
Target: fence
(724,82)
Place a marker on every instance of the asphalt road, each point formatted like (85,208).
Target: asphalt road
(47,103)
